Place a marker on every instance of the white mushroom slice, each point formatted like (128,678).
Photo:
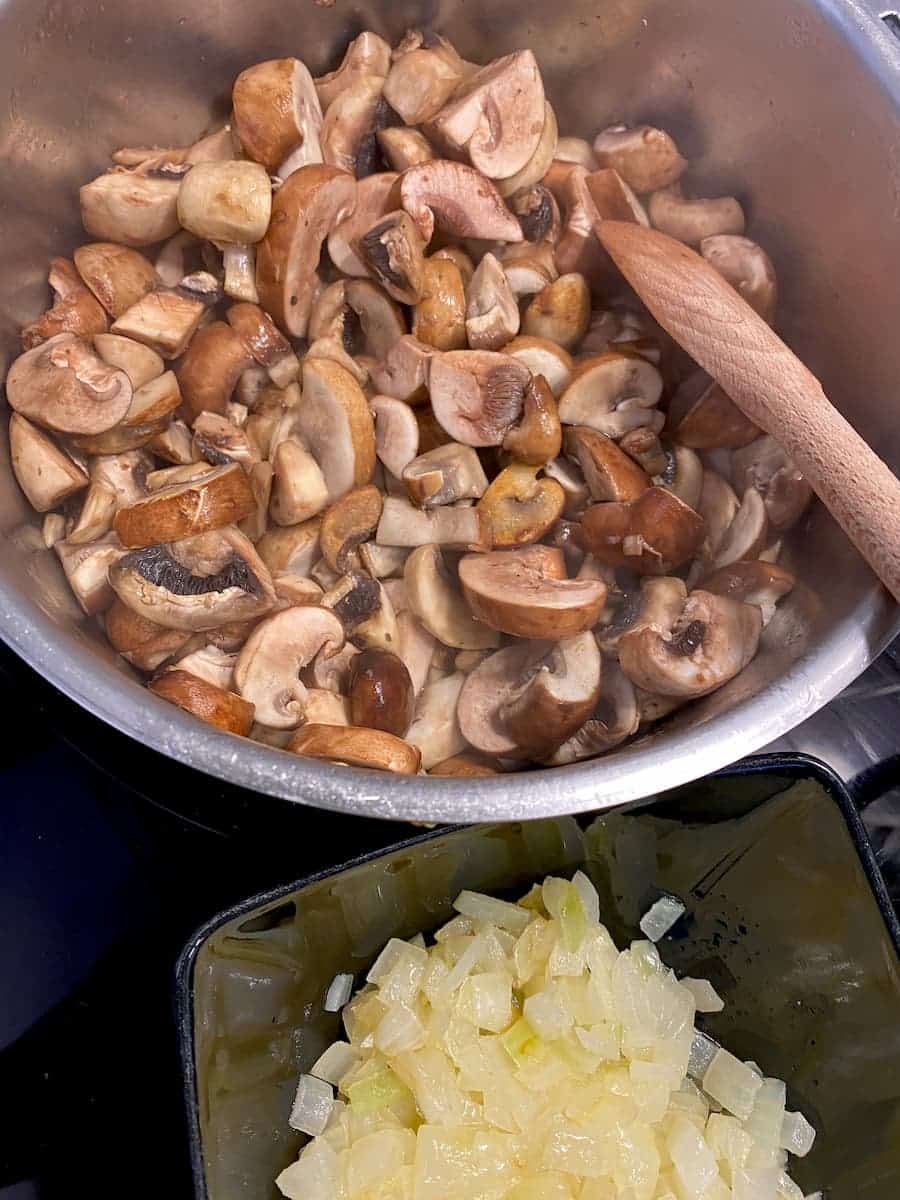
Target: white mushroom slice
(210,663)
(403,372)
(747,268)
(163,320)
(174,444)
(543,357)
(646,158)
(125,474)
(219,441)
(396,433)
(553,697)
(332,349)
(226,201)
(691,221)
(375,196)
(63,385)
(299,489)
(529,267)
(336,426)
(351,122)
(577,251)
(419,84)
(745,537)
(331,672)
(497,115)
(612,393)
(295,548)
(172,261)
(267,671)
(683,475)
(380,630)
(140,363)
(381,562)
(438,604)
(325,708)
(181,474)
(483,694)
(765,466)
(576,150)
(261,476)
(393,251)
(492,314)
(45,473)
(403,147)
(568,475)
(276,109)
(95,519)
(416,646)
(367,54)
(560,312)
(717,505)
(153,402)
(614,719)
(116,275)
(402,524)
(292,590)
(130,208)
(239,262)
(539,163)
(457,200)
(435,728)
(476,395)
(444,475)
(87,569)
(380,317)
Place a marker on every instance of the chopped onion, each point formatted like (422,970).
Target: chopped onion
(703,1050)
(756,1183)
(787,1189)
(706,998)
(312,1105)
(732,1083)
(376,1091)
(765,1122)
(797,1135)
(335,1062)
(338,992)
(661,916)
(547,1015)
(518,1039)
(496,912)
(695,1164)
(590,901)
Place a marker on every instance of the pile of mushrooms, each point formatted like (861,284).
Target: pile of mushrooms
(348,432)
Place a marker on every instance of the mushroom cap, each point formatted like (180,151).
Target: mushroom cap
(44,472)
(537,439)
(435,729)
(381,692)
(483,695)
(437,603)
(561,311)
(63,385)
(356,747)
(220,497)
(458,200)
(396,432)
(348,523)
(456,527)
(476,395)
(367,54)
(336,426)
(295,548)
(765,466)
(226,201)
(140,641)
(652,535)
(214,705)
(543,356)
(711,642)
(376,195)
(615,718)
(525,592)
(275,109)
(129,208)
(140,363)
(197,584)
(419,84)
(520,507)
(351,123)
(608,471)
(393,250)
(646,158)
(210,369)
(691,221)
(444,475)
(75,308)
(539,163)
(703,417)
(492,314)
(312,201)
(611,393)
(497,115)
(299,489)
(439,318)
(556,696)
(267,671)
(403,148)
(747,268)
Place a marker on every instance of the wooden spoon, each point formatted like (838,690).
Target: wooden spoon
(767,381)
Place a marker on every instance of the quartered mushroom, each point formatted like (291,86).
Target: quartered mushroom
(577,249)
(703,417)
(335,424)
(746,534)
(529,267)
(380,318)
(226,201)
(130,208)
(435,730)
(444,475)
(299,488)
(765,466)
(484,693)
(348,523)
(403,147)
(239,265)
(294,548)
(210,369)
(276,110)
(164,320)
(543,356)
(404,369)
(376,196)
(691,221)
(457,200)
(608,471)
(44,472)
(266,344)
(87,568)
(95,519)
(380,692)
(477,395)
(560,312)
(420,82)
(615,718)
(220,497)
(537,211)
(356,747)
(747,268)
(196,584)
(454,526)
(538,436)
(683,475)
(492,314)
(437,603)
(75,308)
(538,165)
(393,250)
(396,433)
(351,124)
(63,385)
(367,54)
(324,708)
(526,592)
(519,507)
(439,317)
(712,640)
(553,698)
(219,441)
(656,605)
(717,505)
(613,393)
(140,641)
(382,562)
(652,535)
(753,582)
(140,363)
(646,158)
(643,445)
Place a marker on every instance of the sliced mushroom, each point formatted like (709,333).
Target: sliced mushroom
(267,671)
(745,537)
(348,523)
(691,221)
(404,148)
(543,356)
(753,582)
(299,488)
(269,348)
(683,475)
(718,506)
(577,250)
(376,195)
(130,208)
(643,445)
(96,516)
(351,124)
(613,198)
(46,474)
(140,363)
(220,441)
(220,497)
(416,646)
(646,158)
(703,417)
(203,286)
(712,640)
(438,605)
(404,370)
(152,403)
(295,549)
(365,611)
(393,251)
(420,83)
(614,719)
(209,663)
(382,562)
(609,473)
(538,437)
(239,263)
(163,320)
(561,312)
(381,692)
(497,115)
(120,438)
(226,201)
(435,729)
(652,535)
(747,268)
(63,385)
(439,318)
(519,507)
(209,371)
(539,163)
(396,433)
(174,444)
(75,309)
(612,393)
(356,747)
(657,605)
(458,200)
(380,318)
(576,150)
(336,426)
(529,267)
(197,584)
(87,568)
(402,524)
(169,475)
(765,466)
(276,109)
(310,203)
(444,475)
(555,696)
(141,642)
(537,212)
(477,395)
(324,708)
(492,314)
(293,590)
(572,482)
(367,54)
(525,592)
(260,475)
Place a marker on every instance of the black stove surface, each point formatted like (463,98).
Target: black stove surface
(101,883)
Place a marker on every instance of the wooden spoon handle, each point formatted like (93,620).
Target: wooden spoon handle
(768,383)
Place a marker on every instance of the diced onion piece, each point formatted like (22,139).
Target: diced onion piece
(399,1030)
(396,953)
(519,1039)
(756,1183)
(314,1176)
(486,1000)
(695,1164)
(338,992)
(787,1189)
(590,901)
(765,1122)
(797,1135)
(335,1062)
(703,1050)
(496,912)
(418,939)
(547,1015)
(661,916)
(376,1091)
(706,998)
(732,1084)
(464,966)
(312,1105)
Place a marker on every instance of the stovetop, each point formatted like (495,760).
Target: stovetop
(110,856)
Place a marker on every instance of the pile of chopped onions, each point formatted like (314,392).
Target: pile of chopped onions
(523,1057)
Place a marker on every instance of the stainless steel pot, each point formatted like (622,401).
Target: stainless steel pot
(793,104)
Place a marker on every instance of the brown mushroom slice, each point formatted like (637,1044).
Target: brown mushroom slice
(438,605)
(457,200)
(336,426)
(652,535)
(311,202)
(332,349)
(295,548)
(275,110)
(747,268)
(703,417)
(209,371)
(537,211)
(576,150)
(197,584)
(130,208)
(381,318)
(477,395)
(210,663)
(539,163)
(220,497)
(435,730)
(356,747)
(267,671)
(683,475)
(376,195)
(765,466)
(497,115)
(117,275)
(140,641)
(393,251)
(214,705)
(140,363)
(63,385)
(119,439)
(269,348)
(152,403)
(712,641)
(492,314)
(367,54)
(75,309)
(163,320)
(612,393)
(643,445)
(615,718)
(529,267)
(299,489)
(87,569)
(613,198)
(718,506)
(381,692)
(753,582)
(691,221)
(239,264)
(646,158)
(261,476)
(404,370)
(483,695)
(416,646)
(609,473)
(348,523)
(656,605)
(543,356)
(404,148)
(519,507)
(439,318)
(226,201)
(561,312)
(568,475)
(396,433)
(537,438)
(219,441)
(745,537)
(44,472)
(419,84)
(525,592)
(402,524)
(351,123)
(464,766)
(444,475)
(555,697)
